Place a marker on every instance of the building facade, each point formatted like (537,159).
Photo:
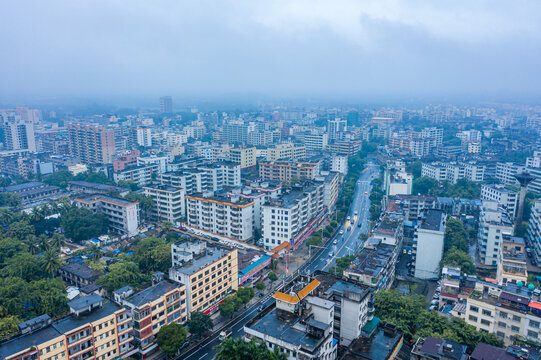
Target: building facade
(123,215)
(168,202)
(92,144)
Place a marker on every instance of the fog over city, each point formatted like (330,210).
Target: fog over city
(284,48)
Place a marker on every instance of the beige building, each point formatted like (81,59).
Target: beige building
(246,157)
(209,272)
(96,329)
(92,144)
(286,152)
(123,215)
(285,170)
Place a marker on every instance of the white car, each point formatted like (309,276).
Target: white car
(341,232)
(335,242)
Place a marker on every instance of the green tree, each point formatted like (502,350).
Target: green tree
(461,259)
(59,178)
(245,294)
(455,235)
(8,326)
(20,230)
(153,254)
(227,307)
(22,265)
(199,323)
(166,226)
(51,261)
(260,285)
(122,274)
(4,181)
(8,248)
(272,276)
(146,203)
(425,186)
(57,241)
(239,349)
(51,295)
(82,224)
(10,199)
(132,185)
(170,338)
(415,168)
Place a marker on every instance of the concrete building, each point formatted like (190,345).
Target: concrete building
(299,334)
(209,272)
(161,161)
(512,264)
(18,133)
(169,202)
(428,244)
(285,170)
(505,172)
(143,136)
(161,304)
(92,144)
(294,216)
(339,164)
(123,215)
(432,348)
(286,151)
(128,159)
(141,175)
(79,275)
(331,188)
(534,231)
(336,129)
(95,188)
(316,141)
(221,214)
(397,181)
(347,148)
(245,157)
(237,131)
(421,147)
(95,329)
(505,197)
(494,224)
(433,133)
(474,148)
(508,311)
(452,172)
(166,104)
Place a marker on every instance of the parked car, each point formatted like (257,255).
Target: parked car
(349,228)
(331,254)
(359,224)
(349,218)
(225,334)
(341,232)
(335,241)
(260,308)
(356,213)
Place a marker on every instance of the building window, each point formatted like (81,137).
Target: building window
(472,318)
(474,308)
(485,322)
(487,312)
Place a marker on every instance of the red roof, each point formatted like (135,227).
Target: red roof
(535,305)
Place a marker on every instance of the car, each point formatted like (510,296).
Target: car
(438,289)
(534,263)
(359,224)
(409,252)
(331,254)
(260,308)
(356,213)
(436,296)
(341,232)
(184,346)
(405,251)
(182,228)
(434,302)
(366,192)
(225,334)
(349,228)
(335,242)
(348,218)
(261,294)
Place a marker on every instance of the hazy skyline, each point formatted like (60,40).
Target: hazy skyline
(280,48)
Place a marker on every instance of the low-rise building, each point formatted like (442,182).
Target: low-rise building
(168,202)
(453,172)
(209,272)
(79,274)
(432,348)
(346,148)
(221,214)
(33,191)
(96,329)
(428,244)
(95,188)
(141,175)
(160,161)
(123,215)
(512,264)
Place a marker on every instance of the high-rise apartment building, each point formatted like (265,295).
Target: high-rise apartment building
(286,152)
(316,141)
(433,133)
(428,244)
(285,170)
(505,172)
(18,133)
(168,202)
(92,144)
(143,136)
(494,225)
(245,156)
(506,197)
(123,215)
(336,128)
(534,230)
(166,104)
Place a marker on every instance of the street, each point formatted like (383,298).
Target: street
(346,244)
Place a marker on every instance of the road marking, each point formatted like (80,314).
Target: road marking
(205,354)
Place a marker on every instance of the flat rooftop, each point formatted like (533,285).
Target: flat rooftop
(151,293)
(379,347)
(99,197)
(212,254)
(222,198)
(371,261)
(284,329)
(97,186)
(431,219)
(24,186)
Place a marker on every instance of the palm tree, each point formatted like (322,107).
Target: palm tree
(51,261)
(57,241)
(43,242)
(94,252)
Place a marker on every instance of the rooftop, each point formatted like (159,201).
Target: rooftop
(379,346)
(200,261)
(81,270)
(97,186)
(110,199)
(85,301)
(432,219)
(436,347)
(24,186)
(151,293)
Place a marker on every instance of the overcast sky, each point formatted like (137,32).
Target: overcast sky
(278,48)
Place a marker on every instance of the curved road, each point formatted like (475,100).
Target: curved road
(341,245)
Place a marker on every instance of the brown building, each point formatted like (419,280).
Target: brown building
(92,144)
(285,170)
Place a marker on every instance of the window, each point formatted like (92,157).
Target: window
(473,318)
(516,318)
(485,322)
(503,315)
(502,324)
(500,334)
(533,334)
(534,324)
(515,328)
(474,308)
(487,312)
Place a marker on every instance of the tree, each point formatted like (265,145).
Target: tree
(57,241)
(20,230)
(424,186)
(199,323)
(170,338)
(146,203)
(245,294)
(455,235)
(166,226)
(455,257)
(8,326)
(238,348)
(82,224)
(10,199)
(59,178)
(51,261)
(22,265)
(415,168)
(4,181)
(132,185)
(342,264)
(272,276)
(122,274)
(153,254)
(227,308)
(260,285)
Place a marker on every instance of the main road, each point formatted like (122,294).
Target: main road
(347,241)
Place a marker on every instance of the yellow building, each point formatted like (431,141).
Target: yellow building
(286,152)
(246,157)
(97,329)
(210,272)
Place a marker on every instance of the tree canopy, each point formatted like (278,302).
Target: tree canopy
(153,254)
(170,338)
(199,323)
(82,224)
(122,274)
(240,349)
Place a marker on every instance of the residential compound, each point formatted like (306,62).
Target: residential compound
(209,272)
(226,215)
(293,216)
(122,214)
(286,171)
(452,172)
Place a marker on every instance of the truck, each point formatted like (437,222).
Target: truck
(224,334)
